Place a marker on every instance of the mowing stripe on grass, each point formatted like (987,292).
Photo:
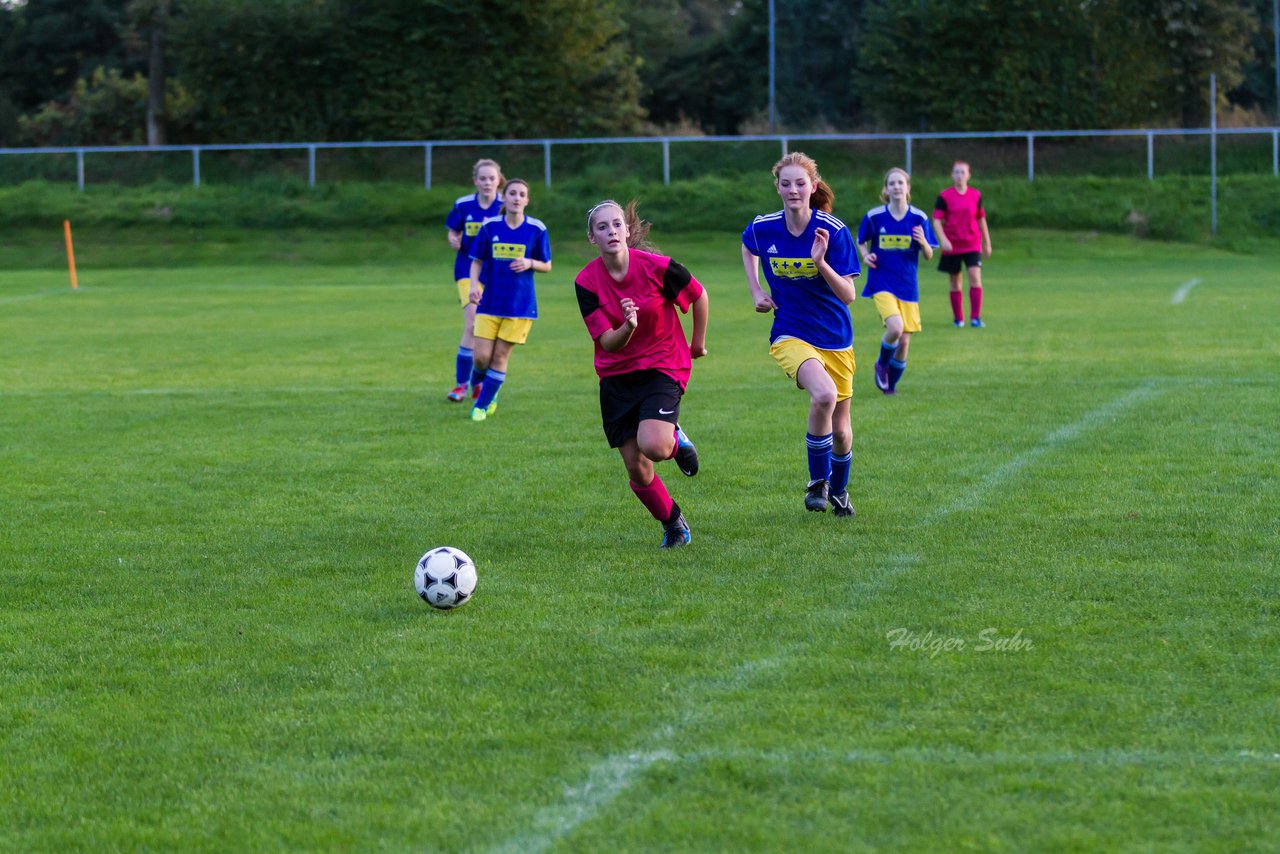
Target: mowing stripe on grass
(616,773)
(1180,295)
(1104,757)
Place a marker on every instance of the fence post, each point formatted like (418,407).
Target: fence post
(908,139)
(195,166)
(546,160)
(666,161)
(80,169)
(1151,158)
(426,166)
(1213,150)
(1275,153)
(784,147)
(311,165)
(1031,157)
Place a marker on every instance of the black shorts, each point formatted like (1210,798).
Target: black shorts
(628,399)
(951,263)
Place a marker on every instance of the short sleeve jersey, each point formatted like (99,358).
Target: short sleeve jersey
(807,307)
(466,218)
(897,253)
(959,214)
(506,292)
(658,286)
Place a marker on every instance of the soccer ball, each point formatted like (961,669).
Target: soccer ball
(445,578)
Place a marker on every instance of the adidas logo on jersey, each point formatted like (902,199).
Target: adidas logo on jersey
(882,229)
(773,249)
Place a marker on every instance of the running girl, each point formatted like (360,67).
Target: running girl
(810,270)
(463,222)
(961,222)
(891,239)
(506,253)
(629,297)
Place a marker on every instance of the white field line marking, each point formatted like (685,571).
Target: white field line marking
(613,775)
(998,476)
(53,292)
(950,756)
(1180,295)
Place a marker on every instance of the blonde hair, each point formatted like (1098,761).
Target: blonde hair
(637,228)
(884,190)
(483,162)
(503,211)
(823,197)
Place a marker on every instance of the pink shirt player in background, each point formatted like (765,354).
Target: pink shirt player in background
(960,223)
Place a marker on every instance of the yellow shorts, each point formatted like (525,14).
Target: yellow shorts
(464,291)
(888,305)
(512,329)
(791,353)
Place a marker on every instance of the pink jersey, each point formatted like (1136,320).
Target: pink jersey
(658,286)
(959,214)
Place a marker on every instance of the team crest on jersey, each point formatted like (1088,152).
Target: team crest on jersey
(895,241)
(793,268)
(507,250)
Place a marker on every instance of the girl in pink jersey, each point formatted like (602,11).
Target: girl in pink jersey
(629,298)
(960,222)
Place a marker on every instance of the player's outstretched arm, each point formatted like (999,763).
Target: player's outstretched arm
(698,341)
(751,264)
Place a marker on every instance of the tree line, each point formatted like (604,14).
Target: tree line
(208,71)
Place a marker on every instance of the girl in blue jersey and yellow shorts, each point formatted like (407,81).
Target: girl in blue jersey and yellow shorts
(810,264)
(506,253)
(891,239)
(464,222)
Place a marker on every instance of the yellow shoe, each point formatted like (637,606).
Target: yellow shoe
(478,414)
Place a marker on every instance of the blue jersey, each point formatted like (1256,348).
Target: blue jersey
(897,254)
(466,218)
(506,292)
(807,307)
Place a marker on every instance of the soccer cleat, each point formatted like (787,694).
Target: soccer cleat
(686,454)
(815,497)
(478,414)
(675,534)
(977,323)
(458,393)
(492,407)
(840,505)
(959,324)
(882,378)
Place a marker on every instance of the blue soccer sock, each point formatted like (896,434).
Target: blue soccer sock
(896,368)
(465,363)
(477,376)
(886,353)
(840,467)
(492,382)
(819,456)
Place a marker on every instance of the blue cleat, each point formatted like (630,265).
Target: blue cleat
(882,378)
(675,533)
(977,323)
(959,324)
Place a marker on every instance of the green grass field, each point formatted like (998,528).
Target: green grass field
(1052,625)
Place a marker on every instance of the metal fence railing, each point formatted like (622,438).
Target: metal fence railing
(911,143)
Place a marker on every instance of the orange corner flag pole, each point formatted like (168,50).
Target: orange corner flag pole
(71,253)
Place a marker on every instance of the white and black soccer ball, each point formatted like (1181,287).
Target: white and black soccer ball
(445,578)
